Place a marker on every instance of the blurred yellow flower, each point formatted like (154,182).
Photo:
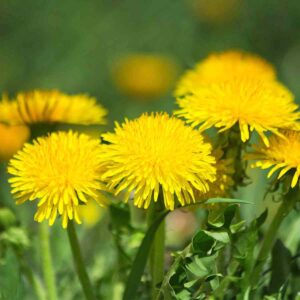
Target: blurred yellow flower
(144,76)
(90,213)
(12,139)
(216,11)
(61,171)
(283,154)
(157,154)
(50,107)
(251,103)
(224,66)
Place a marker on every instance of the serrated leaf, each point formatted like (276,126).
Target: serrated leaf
(202,243)
(184,295)
(220,236)
(237,227)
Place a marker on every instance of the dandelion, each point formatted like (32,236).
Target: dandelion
(61,171)
(12,139)
(251,103)
(144,76)
(224,181)
(220,67)
(51,107)
(283,154)
(157,154)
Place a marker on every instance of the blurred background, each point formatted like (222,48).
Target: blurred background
(76,46)
(129,54)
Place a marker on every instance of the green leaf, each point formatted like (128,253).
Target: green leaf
(237,227)
(15,236)
(141,259)
(7,218)
(262,218)
(220,236)
(280,266)
(184,295)
(202,267)
(216,218)
(229,214)
(227,200)
(10,279)
(222,217)
(202,243)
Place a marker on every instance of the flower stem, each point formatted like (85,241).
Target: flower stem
(79,264)
(34,281)
(48,271)
(284,209)
(157,253)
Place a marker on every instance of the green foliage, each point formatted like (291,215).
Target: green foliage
(11,286)
(218,261)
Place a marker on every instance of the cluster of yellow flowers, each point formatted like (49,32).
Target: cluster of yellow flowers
(155,157)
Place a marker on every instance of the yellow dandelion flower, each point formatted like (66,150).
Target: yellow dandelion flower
(51,107)
(219,67)
(144,76)
(224,181)
(61,171)
(252,104)
(12,139)
(157,154)
(283,154)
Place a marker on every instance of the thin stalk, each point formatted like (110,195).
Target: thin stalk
(47,264)
(157,252)
(79,263)
(34,281)
(284,209)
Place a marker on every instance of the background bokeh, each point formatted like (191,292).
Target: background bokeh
(73,45)
(79,47)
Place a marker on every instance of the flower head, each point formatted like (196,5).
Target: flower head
(224,181)
(157,154)
(61,171)
(283,154)
(51,107)
(220,67)
(144,76)
(12,139)
(251,103)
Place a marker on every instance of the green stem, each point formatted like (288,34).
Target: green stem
(79,263)
(47,264)
(157,252)
(34,281)
(284,209)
